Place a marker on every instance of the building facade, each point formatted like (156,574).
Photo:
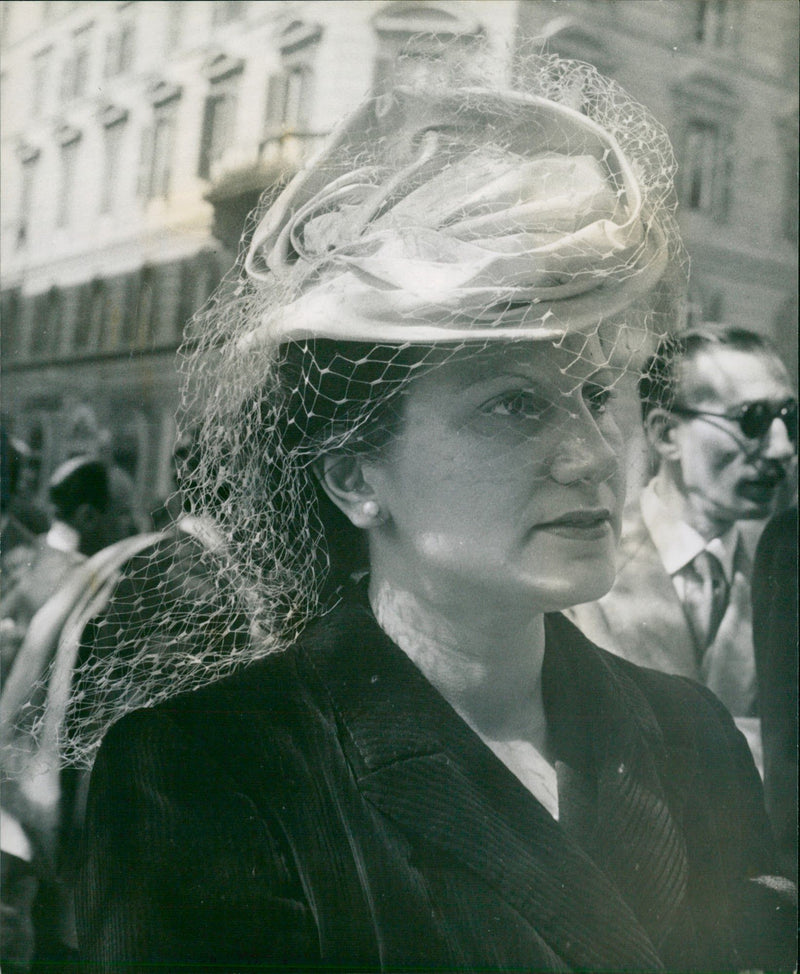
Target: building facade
(137,136)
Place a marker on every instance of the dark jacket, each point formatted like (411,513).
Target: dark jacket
(327,809)
(775,592)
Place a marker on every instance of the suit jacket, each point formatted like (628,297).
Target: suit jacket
(327,809)
(775,592)
(642,619)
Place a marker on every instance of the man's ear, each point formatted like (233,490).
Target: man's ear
(343,479)
(660,427)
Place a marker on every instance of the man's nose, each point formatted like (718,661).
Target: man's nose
(778,445)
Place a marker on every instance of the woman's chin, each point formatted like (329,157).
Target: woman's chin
(563,593)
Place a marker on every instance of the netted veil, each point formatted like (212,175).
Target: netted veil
(434,220)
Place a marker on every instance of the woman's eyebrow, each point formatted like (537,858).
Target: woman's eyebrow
(505,376)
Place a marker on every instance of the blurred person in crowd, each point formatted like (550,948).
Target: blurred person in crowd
(22,520)
(775,595)
(12,531)
(112,599)
(80,496)
(93,508)
(720,415)
(409,758)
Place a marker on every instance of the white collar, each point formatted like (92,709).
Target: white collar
(62,537)
(678,543)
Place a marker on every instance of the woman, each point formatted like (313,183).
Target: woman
(408,444)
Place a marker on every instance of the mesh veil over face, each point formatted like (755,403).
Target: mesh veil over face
(433,223)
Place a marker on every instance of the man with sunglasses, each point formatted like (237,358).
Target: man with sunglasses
(720,415)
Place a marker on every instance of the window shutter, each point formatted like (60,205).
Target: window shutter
(67,79)
(207,137)
(144,179)
(276,95)
(111,55)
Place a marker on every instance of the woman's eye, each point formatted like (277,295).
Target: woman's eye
(520,404)
(597,397)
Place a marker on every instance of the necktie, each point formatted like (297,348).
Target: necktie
(705,599)
(728,664)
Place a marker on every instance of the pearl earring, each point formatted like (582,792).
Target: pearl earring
(370,509)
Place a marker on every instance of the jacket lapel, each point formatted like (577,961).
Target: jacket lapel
(423,768)
(656,625)
(635,839)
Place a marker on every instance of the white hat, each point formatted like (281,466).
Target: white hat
(481,214)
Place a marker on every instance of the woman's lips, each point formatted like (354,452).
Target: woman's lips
(580,525)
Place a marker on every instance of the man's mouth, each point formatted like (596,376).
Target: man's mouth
(769,478)
(763,485)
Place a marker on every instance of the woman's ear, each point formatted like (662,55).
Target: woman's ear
(342,478)
(660,427)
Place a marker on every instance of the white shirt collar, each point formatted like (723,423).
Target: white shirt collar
(678,543)
(62,537)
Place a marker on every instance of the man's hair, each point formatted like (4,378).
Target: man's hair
(659,385)
(82,480)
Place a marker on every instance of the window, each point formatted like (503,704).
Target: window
(175,16)
(712,24)
(571,38)
(81,75)
(289,91)
(114,135)
(140,294)
(219,118)
(158,142)
(700,163)
(790,161)
(790,209)
(70,147)
(405,67)
(90,325)
(709,108)
(226,11)
(47,321)
(129,319)
(288,99)
(10,306)
(415,38)
(40,79)
(30,167)
(115,310)
(75,77)
(199,275)
(163,137)
(142,310)
(704,304)
(705,169)
(120,48)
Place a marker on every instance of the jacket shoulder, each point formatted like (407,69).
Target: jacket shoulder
(276,696)
(211,724)
(683,708)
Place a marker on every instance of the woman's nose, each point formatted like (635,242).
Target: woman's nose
(582,452)
(778,444)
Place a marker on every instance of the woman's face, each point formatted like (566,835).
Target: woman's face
(503,488)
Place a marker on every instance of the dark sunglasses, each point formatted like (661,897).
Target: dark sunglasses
(754,418)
